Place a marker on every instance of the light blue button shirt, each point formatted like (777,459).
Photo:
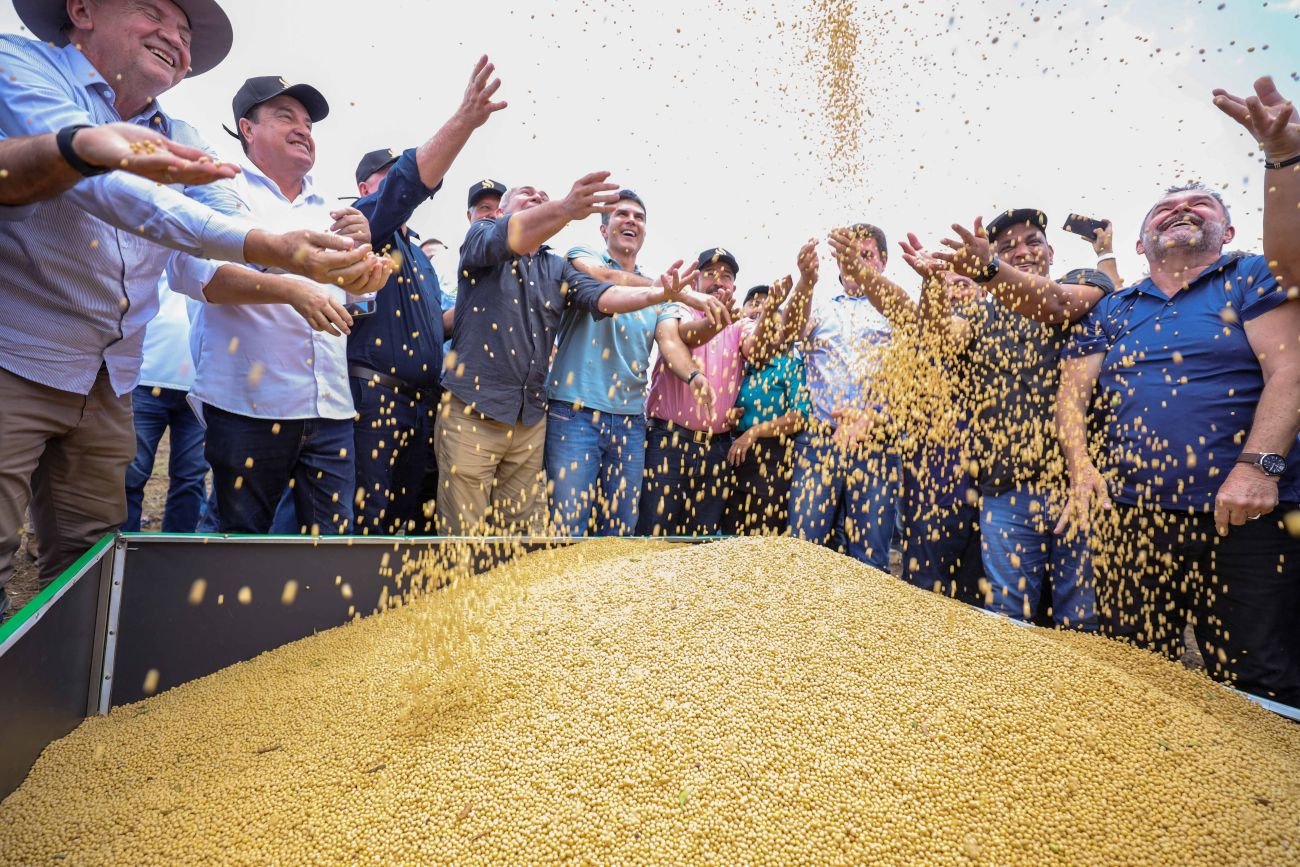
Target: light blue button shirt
(264,360)
(842,352)
(603,364)
(79,272)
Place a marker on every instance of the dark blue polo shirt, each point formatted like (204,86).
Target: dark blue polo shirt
(403,337)
(1180,383)
(508,308)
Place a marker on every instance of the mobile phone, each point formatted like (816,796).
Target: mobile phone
(1084,227)
(360,307)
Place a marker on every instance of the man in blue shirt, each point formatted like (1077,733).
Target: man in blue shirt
(395,353)
(1198,368)
(79,271)
(595,426)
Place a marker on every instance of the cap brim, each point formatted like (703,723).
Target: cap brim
(311,98)
(211,34)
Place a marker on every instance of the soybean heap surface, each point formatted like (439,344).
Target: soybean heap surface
(747,701)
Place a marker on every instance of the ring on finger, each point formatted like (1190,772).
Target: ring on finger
(1253,517)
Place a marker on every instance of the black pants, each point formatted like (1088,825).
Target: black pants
(760,495)
(1158,570)
(687,482)
(941,548)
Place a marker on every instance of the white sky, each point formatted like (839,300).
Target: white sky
(711,110)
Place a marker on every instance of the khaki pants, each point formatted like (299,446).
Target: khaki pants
(67,454)
(490,475)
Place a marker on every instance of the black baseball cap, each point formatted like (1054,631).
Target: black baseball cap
(718,254)
(1089,277)
(1015,217)
(757,290)
(486,187)
(374,161)
(258,90)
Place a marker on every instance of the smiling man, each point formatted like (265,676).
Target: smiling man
(1198,373)
(271,381)
(79,271)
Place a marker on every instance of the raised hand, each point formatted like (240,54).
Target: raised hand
(779,292)
(971,254)
(675,281)
(591,194)
(142,151)
(807,261)
(921,260)
(477,106)
(1268,116)
(1104,241)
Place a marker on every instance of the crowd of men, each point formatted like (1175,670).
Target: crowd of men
(1107,457)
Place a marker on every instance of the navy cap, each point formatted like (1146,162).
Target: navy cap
(1089,277)
(1007,219)
(374,161)
(714,255)
(486,187)
(258,90)
(757,290)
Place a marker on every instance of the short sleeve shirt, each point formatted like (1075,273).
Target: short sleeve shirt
(720,361)
(1180,382)
(773,390)
(603,364)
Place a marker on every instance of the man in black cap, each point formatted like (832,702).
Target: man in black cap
(70,348)
(273,391)
(1015,354)
(395,354)
(485,200)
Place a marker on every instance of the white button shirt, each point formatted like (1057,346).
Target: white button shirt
(264,360)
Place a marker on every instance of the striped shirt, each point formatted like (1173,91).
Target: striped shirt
(79,272)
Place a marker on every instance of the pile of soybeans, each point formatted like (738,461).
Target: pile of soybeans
(748,701)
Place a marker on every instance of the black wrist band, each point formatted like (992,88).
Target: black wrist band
(64,141)
(694,373)
(1282,164)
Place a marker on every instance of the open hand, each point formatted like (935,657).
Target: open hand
(1270,118)
(921,260)
(351,223)
(971,253)
(591,194)
(1087,492)
(142,151)
(477,106)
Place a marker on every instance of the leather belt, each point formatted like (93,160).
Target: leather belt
(701,437)
(400,386)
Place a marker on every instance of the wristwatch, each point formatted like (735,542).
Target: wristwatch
(1271,464)
(63,139)
(990,271)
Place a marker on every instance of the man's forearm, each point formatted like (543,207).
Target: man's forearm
(673,351)
(1078,379)
(1041,299)
(698,332)
(32,169)
(532,228)
(629,299)
(790,423)
(1282,224)
(606,274)
(886,296)
(436,155)
(798,310)
(235,284)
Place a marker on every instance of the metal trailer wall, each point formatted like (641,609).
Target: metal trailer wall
(87,642)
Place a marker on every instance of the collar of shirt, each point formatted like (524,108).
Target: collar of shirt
(1147,286)
(258,179)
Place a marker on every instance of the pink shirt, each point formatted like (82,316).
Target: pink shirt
(722,364)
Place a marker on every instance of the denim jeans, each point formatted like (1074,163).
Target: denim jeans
(315,453)
(844,500)
(394,448)
(594,463)
(1022,555)
(186,469)
(687,482)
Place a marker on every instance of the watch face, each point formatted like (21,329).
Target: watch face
(1274,465)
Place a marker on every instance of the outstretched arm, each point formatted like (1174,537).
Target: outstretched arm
(1275,124)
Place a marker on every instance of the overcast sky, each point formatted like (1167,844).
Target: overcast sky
(712,110)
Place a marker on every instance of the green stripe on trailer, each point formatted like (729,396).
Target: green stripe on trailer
(17,624)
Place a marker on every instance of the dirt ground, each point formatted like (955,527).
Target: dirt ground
(23,585)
